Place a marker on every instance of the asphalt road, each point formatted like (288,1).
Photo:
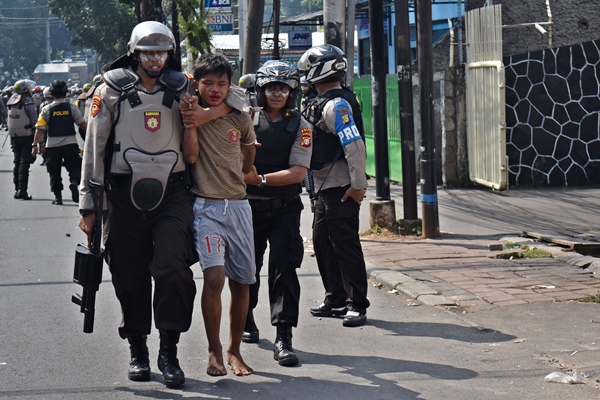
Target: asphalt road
(405,351)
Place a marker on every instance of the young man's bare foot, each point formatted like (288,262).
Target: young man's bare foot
(216,367)
(239,367)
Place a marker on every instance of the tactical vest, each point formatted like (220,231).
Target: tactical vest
(327,147)
(18,122)
(150,127)
(148,135)
(277,140)
(60,120)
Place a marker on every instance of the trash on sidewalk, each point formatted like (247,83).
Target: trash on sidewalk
(561,377)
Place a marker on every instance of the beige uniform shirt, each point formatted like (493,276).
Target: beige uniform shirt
(218,171)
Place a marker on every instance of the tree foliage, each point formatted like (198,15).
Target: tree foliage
(23,37)
(103,26)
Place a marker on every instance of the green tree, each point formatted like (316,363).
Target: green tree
(103,26)
(22,37)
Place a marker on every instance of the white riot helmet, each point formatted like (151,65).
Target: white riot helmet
(24,86)
(323,63)
(151,36)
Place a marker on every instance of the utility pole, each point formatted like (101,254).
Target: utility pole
(350,27)
(382,211)
(407,131)
(334,19)
(429,198)
(276,11)
(256,9)
(48,58)
(242,24)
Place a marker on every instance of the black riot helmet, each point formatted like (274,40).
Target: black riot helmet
(58,88)
(278,72)
(323,63)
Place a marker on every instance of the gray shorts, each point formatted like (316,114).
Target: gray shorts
(223,236)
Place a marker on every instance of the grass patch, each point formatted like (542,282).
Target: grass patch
(524,252)
(591,299)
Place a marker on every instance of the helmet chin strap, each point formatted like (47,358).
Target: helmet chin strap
(152,74)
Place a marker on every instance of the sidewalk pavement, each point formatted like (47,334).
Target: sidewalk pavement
(458,270)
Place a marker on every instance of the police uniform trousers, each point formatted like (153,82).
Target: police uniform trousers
(155,246)
(277,221)
(71,158)
(338,250)
(21,147)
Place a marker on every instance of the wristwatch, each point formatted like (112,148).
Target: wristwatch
(263,181)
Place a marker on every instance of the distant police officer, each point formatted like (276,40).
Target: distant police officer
(273,188)
(57,122)
(134,145)
(22,115)
(338,165)
(308,93)
(84,101)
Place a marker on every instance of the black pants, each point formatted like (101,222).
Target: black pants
(21,147)
(69,155)
(338,250)
(157,245)
(280,227)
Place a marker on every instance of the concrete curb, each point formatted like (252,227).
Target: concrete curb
(404,284)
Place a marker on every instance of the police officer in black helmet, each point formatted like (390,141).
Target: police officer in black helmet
(273,189)
(338,166)
(56,122)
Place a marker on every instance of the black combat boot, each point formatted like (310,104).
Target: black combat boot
(139,367)
(57,199)
(168,363)
(250,334)
(283,352)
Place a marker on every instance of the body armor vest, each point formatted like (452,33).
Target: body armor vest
(327,147)
(60,120)
(277,140)
(148,126)
(148,135)
(18,122)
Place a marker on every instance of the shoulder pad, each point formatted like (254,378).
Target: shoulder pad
(120,79)
(174,80)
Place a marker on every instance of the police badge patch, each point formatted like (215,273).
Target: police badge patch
(305,140)
(234,135)
(344,113)
(152,120)
(95,108)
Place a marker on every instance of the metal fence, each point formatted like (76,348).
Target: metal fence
(486,122)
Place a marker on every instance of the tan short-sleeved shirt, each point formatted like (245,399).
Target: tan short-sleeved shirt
(218,171)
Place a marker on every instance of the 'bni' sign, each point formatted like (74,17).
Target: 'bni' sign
(220,22)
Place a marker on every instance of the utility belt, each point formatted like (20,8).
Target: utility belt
(261,205)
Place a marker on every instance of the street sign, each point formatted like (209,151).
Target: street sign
(221,23)
(217,5)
